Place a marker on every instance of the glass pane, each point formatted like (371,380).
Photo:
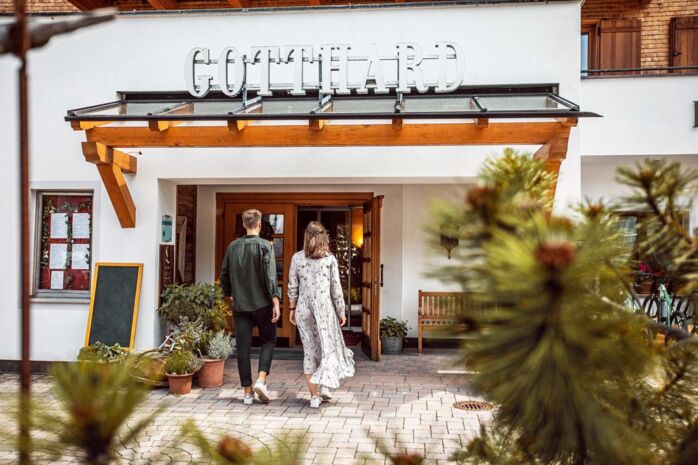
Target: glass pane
(436,104)
(64,259)
(139,109)
(279,247)
(288,106)
(584,64)
(365,105)
(280,270)
(215,108)
(276,222)
(518,102)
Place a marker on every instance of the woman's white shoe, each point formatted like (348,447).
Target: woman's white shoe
(315,402)
(325,393)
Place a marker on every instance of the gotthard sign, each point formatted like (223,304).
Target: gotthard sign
(331,69)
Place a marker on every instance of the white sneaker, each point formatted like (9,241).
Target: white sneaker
(325,393)
(315,402)
(248,399)
(261,390)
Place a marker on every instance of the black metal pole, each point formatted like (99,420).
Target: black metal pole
(22,43)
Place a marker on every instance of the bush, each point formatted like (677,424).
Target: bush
(220,346)
(390,327)
(99,352)
(182,362)
(203,303)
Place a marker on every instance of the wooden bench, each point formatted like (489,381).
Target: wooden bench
(438,310)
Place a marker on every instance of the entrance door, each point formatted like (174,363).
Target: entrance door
(279,227)
(370,298)
(684,42)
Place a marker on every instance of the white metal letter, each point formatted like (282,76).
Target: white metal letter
(231,55)
(444,85)
(328,64)
(374,73)
(298,54)
(203,86)
(266,55)
(407,62)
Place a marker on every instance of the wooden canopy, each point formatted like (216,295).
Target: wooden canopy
(109,127)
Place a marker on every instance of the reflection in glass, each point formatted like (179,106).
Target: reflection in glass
(279,270)
(276,222)
(279,247)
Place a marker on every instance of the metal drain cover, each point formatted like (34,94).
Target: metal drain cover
(473,405)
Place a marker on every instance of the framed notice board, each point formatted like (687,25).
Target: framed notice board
(116,289)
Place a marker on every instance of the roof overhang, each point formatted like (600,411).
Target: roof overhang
(491,115)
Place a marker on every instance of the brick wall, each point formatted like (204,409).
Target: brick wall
(39,6)
(655,16)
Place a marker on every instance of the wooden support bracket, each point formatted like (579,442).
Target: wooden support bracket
(111,165)
(397,123)
(85,125)
(482,123)
(316,124)
(554,152)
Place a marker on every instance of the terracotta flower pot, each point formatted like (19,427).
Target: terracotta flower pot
(180,384)
(211,373)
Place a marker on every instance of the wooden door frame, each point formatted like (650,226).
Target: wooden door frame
(300,199)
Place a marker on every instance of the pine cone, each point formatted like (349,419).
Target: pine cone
(555,255)
(234,450)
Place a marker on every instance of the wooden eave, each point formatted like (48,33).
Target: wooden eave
(103,141)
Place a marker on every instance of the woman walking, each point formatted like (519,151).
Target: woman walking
(317,308)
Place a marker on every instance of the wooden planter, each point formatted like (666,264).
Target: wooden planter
(180,384)
(211,373)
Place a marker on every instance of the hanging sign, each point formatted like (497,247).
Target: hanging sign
(331,69)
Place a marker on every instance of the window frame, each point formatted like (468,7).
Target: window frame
(591,28)
(58,294)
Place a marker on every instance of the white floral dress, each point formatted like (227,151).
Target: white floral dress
(315,290)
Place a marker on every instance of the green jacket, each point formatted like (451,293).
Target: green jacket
(248,274)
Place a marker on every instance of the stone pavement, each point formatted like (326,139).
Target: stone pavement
(405,399)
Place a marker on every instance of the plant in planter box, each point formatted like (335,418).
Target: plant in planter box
(393,333)
(180,367)
(219,348)
(99,352)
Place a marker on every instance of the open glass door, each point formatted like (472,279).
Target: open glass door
(370,295)
(279,227)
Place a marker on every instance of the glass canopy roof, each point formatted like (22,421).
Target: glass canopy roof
(479,102)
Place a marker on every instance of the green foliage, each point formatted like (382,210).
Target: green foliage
(573,373)
(229,450)
(99,352)
(182,362)
(204,303)
(391,327)
(94,403)
(220,346)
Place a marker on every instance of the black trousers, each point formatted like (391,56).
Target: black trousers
(244,324)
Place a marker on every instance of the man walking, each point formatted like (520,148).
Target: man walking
(248,275)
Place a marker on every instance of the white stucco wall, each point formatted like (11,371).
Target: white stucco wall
(641,116)
(508,44)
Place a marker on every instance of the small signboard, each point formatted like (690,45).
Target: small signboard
(114,300)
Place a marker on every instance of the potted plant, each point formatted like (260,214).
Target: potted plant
(199,303)
(102,354)
(393,333)
(180,367)
(218,348)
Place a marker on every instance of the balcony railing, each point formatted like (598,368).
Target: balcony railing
(643,71)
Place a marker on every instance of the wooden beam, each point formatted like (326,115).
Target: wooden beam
(238,3)
(529,133)
(554,152)
(100,154)
(84,125)
(117,189)
(163,4)
(88,5)
(316,124)
(482,122)
(162,125)
(568,122)
(397,123)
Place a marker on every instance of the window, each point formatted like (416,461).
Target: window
(610,44)
(63,255)
(684,43)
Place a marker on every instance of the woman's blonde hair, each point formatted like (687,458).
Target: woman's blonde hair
(316,243)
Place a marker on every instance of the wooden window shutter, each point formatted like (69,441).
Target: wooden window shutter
(683,48)
(619,43)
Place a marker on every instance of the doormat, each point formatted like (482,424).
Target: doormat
(351,339)
(473,405)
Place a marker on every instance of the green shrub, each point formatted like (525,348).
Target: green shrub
(99,352)
(391,327)
(220,346)
(182,362)
(202,302)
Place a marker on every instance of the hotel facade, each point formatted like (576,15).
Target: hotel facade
(152,133)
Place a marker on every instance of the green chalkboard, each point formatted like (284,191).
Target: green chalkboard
(114,304)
